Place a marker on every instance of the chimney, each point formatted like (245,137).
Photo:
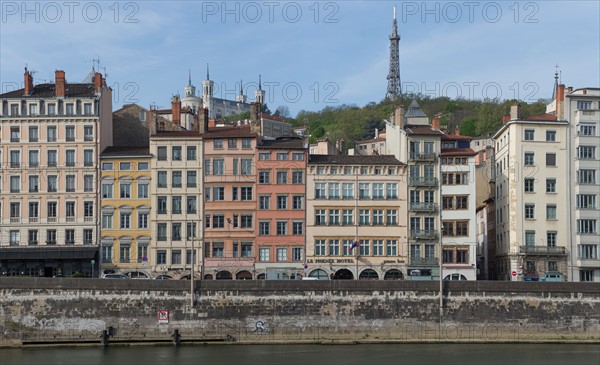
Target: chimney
(515,111)
(560,102)
(255,126)
(203,122)
(98,82)
(570,89)
(28,82)
(176,110)
(435,123)
(399,116)
(376,132)
(59,79)
(151,120)
(457,131)
(505,118)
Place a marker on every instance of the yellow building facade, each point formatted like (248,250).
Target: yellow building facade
(125,211)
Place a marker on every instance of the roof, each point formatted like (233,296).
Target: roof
(273,117)
(171,134)
(371,140)
(286,142)
(125,151)
(458,152)
(542,117)
(47,91)
(422,129)
(414,111)
(454,137)
(229,132)
(353,160)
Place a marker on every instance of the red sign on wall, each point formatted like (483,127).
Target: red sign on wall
(163,316)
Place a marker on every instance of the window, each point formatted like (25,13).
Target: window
(218,166)
(298,177)
(550,136)
(264,202)
(176,231)
(70,133)
(176,153)
(88,133)
(347,191)
(586,176)
(52,183)
(586,201)
(529,238)
(391,247)
(88,209)
(162,179)
(528,134)
(320,217)
(34,211)
(377,217)
(88,183)
(246,193)
(586,152)
(529,211)
(236,163)
(125,220)
(218,143)
(364,247)
(218,221)
(334,190)
(297,228)
(320,190)
(161,153)
(391,217)
(191,205)
(588,252)
(377,191)
(391,191)
(281,254)
(51,236)
(347,217)
(264,254)
(281,156)
(320,248)
(70,183)
(246,221)
(246,249)
(191,153)
(15,134)
(106,166)
(586,226)
(246,166)
(176,179)
(176,257)
(161,257)
(551,239)
(334,247)
(264,228)
(142,220)
(34,181)
(161,232)
(70,157)
(583,105)
(125,190)
(282,202)
(51,109)
(297,202)
(529,185)
(586,275)
(33,134)
(462,202)
(263,156)
(143,166)
(281,177)
(377,247)
(15,158)
(264,177)
(69,109)
(162,204)
(364,217)
(124,166)
(587,130)
(218,193)
(297,254)
(142,189)
(551,212)
(363,191)
(529,159)
(297,156)
(176,204)
(334,216)
(282,228)
(551,185)
(191,179)
(550,159)
(232,143)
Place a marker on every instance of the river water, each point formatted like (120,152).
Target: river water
(396,354)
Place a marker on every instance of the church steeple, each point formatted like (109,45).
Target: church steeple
(555,83)
(241,98)
(260,93)
(207,74)
(189,77)
(394,89)
(189,90)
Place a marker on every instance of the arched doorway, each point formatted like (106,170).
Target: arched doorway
(319,274)
(453,277)
(343,274)
(393,274)
(243,275)
(224,275)
(261,276)
(368,274)
(208,277)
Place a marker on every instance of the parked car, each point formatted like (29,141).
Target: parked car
(114,276)
(162,277)
(553,276)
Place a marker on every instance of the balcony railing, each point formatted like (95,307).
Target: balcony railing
(51,219)
(422,181)
(423,234)
(542,250)
(88,219)
(414,156)
(423,261)
(422,207)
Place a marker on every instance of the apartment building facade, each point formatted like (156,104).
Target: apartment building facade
(229,203)
(176,209)
(50,138)
(531,201)
(125,204)
(354,209)
(281,201)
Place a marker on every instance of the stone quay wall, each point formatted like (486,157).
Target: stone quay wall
(66,311)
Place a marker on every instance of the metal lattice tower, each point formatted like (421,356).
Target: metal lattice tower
(394,89)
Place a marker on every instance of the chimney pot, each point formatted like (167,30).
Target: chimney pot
(176,110)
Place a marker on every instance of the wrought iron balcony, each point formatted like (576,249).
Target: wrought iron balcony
(423,261)
(414,156)
(423,234)
(422,181)
(422,207)
(542,250)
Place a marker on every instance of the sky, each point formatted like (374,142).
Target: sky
(310,54)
